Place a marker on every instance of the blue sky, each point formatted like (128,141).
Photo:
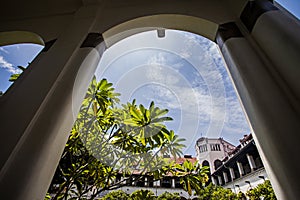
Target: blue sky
(12,56)
(182,72)
(292,6)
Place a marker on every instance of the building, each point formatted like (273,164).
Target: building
(210,151)
(238,168)
(168,183)
(259,40)
(241,167)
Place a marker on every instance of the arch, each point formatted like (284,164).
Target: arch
(265,93)
(205,163)
(17,37)
(192,24)
(217,163)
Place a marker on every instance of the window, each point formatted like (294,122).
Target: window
(215,147)
(203,148)
(217,163)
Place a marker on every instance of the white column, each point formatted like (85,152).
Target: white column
(267,81)
(220,180)
(146,182)
(232,173)
(225,177)
(213,180)
(156,183)
(173,182)
(251,162)
(122,180)
(49,105)
(241,169)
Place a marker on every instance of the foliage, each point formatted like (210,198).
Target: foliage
(192,175)
(139,194)
(213,192)
(108,143)
(264,190)
(14,77)
(241,196)
(142,194)
(47,197)
(169,196)
(116,195)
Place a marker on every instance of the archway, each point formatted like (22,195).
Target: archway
(217,164)
(191,24)
(264,75)
(16,37)
(219,33)
(205,163)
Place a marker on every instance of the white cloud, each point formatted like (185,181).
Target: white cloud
(8,66)
(4,50)
(193,84)
(158,59)
(200,90)
(185,54)
(162,74)
(236,115)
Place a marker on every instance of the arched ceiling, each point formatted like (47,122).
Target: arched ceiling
(49,18)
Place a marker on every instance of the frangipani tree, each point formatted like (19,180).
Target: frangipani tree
(110,143)
(192,175)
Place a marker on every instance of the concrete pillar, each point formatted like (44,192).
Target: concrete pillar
(158,183)
(231,171)
(213,180)
(220,180)
(225,177)
(50,99)
(267,81)
(146,182)
(265,76)
(122,179)
(241,169)
(173,182)
(251,162)
(154,183)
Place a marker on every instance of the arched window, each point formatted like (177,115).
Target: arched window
(217,163)
(205,163)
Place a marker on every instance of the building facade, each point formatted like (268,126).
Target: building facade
(168,183)
(238,168)
(210,151)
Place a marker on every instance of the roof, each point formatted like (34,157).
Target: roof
(247,144)
(181,160)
